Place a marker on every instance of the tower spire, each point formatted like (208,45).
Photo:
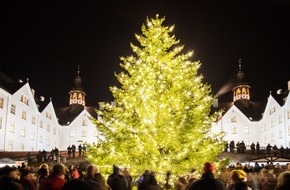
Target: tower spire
(77,94)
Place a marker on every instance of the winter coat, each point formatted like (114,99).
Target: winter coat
(206,182)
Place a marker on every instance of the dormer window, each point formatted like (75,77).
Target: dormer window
(48,115)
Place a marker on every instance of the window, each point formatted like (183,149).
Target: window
(246,130)
(272,110)
(22,132)
(288,130)
(234,130)
(48,115)
(54,130)
(24,99)
(84,133)
(10,145)
(12,127)
(280,134)
(24,115)
(280,118)
(272,137)
(33,119)
(288,114)
(0,122)
(1,102)
(265,128)
(246,141)
(32,136)
(234,119)
(40,138)
(13,109)
(41,124)
(48,127)
(22,147)
(72,133)
(85,122)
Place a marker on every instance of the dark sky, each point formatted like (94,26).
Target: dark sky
(46,40)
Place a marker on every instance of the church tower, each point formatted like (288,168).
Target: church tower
(241,89)
(77,95)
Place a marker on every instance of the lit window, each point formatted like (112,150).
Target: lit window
(22,147)
(1,102)
(24,99)
(234,119)
(22,131)
(72,133)
(33,119)
(13,109)
(280,118)
(10,145)
(246,141)
(85,122)
(84,133)
(246,130)
(234,130)
(12,127)
(24,115)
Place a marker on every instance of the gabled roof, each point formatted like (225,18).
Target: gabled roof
(253,110)
(65,116)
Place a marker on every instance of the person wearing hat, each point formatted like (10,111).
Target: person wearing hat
(239,179)
(207,180)
(9,178)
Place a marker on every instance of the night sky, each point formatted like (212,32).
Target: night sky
(46,40)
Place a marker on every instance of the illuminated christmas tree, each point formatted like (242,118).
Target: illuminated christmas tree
(161,117)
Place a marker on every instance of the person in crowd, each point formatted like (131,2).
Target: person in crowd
(76,184)
(238,180)
(80,147)
(283,181)
(27,179)
(90,179)
(181,183)
(267,178)
(9,179)
(56,179)
(73,149)
(258,148)
(207,180)
(151,184)
(253,148)
(128,176)
(116,181)
(69,150)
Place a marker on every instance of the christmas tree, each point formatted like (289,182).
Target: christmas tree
(160,119)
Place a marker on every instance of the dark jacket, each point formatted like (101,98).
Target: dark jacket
(8,183)
(207,181)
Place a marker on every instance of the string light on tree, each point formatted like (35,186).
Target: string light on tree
(161,118)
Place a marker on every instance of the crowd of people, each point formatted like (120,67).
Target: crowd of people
(60,177)
(240,147)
